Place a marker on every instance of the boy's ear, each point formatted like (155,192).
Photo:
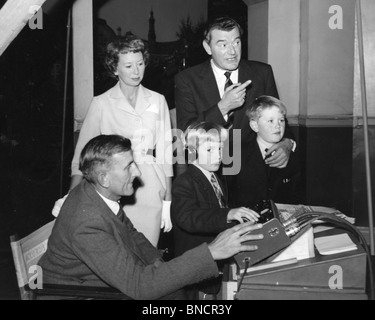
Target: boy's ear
(254,125)
(192,154)
(207,47)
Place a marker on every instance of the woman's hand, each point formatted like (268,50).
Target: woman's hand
(166,222)
(58,204)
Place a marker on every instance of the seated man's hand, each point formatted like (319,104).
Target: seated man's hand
(279,154)
(166,222)
(57,207)
(243,214)
(230,242)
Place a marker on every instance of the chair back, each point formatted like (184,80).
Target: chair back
(27,252)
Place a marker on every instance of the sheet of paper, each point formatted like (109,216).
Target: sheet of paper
(319,228)
(334,244)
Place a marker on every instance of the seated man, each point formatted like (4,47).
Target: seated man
(93,243)
(256,180)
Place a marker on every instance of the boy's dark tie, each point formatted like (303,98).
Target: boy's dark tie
(218,192)
(228,83)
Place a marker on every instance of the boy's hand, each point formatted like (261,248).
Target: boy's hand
(242,215)
(280,153)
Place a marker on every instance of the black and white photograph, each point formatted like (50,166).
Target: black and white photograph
(200,151)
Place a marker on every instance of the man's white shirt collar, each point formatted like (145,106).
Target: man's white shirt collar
(113,205)
(221,78)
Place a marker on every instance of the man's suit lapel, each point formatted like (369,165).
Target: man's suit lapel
(207,83)
(244,73)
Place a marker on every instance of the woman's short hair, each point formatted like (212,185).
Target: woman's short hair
(98,152)
(198,133)
(126,44)
(261,103)
(222,23)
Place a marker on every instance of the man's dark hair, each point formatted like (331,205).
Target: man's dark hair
(99,151)
(222,23)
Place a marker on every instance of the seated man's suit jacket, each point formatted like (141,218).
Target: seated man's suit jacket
(89,245)
(257,181)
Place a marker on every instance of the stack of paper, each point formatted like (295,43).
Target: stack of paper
(268,266)
(334,244)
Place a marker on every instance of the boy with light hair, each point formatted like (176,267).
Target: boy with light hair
(199,209)
(258,181)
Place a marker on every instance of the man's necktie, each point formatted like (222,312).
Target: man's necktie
(228,83)
(217,189)
(121,215)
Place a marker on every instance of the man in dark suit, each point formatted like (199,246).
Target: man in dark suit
(219,89)
(93,243)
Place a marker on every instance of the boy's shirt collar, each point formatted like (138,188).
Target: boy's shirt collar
(208,175)
(263,145)
(204,171)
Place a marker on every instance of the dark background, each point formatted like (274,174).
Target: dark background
(32,75)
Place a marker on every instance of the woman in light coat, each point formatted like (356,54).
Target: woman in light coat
(141,115)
